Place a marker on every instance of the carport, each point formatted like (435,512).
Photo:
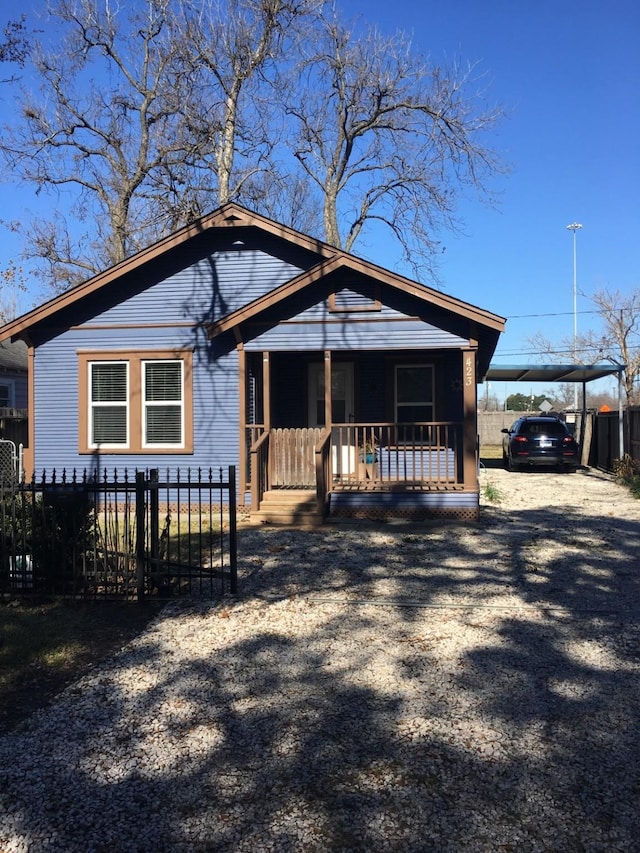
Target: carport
(582,373)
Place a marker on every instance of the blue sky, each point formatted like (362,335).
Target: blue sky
(568,76)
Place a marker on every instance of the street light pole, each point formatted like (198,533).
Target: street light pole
(575,227)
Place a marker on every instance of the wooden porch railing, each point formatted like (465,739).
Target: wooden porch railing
(286,458)
(381,456)
(259,469)
(293,457)
(390,455)
(323,469)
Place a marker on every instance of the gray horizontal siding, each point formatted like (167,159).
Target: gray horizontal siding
(346,335)
(215,390)
(207,290)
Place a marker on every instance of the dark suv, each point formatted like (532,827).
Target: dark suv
(533,441)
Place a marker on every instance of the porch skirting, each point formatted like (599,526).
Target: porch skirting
(414,505)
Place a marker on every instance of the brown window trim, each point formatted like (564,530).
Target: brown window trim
(135,359)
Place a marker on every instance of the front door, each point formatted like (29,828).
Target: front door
(341,393)
(343,453)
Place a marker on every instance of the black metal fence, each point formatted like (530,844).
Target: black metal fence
(126,537)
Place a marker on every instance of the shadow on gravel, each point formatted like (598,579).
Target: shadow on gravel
(343,723)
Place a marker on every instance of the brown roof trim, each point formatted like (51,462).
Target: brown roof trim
(230,215)
(248,312)
(233,215)
(344,260)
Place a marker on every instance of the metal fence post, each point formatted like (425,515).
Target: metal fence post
(154,516)
(140,533)
(233,540)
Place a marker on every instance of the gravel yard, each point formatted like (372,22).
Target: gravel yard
(388,687)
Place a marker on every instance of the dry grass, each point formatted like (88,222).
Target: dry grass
(491,451)
(45,646)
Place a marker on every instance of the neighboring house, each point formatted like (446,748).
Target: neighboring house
(238,341)
(13,375)
(13,392)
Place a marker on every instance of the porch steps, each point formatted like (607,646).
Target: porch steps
(289,507)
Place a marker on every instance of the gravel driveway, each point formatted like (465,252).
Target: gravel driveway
(397,687)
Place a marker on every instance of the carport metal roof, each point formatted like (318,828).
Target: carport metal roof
(551,372)
(561,373)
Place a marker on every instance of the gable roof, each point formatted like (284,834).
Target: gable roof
(329,260)
(344,261)
(228,216)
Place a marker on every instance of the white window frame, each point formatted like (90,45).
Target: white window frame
(93,405)
(146,404)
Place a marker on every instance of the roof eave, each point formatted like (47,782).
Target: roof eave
(228,216)
(341,260)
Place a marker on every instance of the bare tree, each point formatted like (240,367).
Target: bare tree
(106,119)
(12,286)
(385,135)
(152,113)
(15,44)
(233,51)
(618,342)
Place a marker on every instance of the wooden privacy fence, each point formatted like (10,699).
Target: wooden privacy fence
(605,446)
(120,536)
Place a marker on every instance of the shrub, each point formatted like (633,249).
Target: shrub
(55,530)
(492,493)
(627,472)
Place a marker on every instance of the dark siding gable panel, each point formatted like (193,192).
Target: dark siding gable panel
(401,334)
(207,290)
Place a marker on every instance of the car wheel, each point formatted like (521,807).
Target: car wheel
(570,469)
(511,465)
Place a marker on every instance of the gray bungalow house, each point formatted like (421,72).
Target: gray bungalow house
(13,375)
(13,395)
(334,385)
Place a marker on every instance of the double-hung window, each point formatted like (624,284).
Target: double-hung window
(136,402)
(163,395)
(109,404)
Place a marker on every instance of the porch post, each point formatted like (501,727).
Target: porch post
(470,426)
(266,390)
(242,388)
(28,459)
(328,413)
(266,414)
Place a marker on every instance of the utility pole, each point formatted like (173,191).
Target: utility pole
(575,227)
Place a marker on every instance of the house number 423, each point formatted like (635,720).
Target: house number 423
(468,370)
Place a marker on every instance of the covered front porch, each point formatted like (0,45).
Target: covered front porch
(344,465)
